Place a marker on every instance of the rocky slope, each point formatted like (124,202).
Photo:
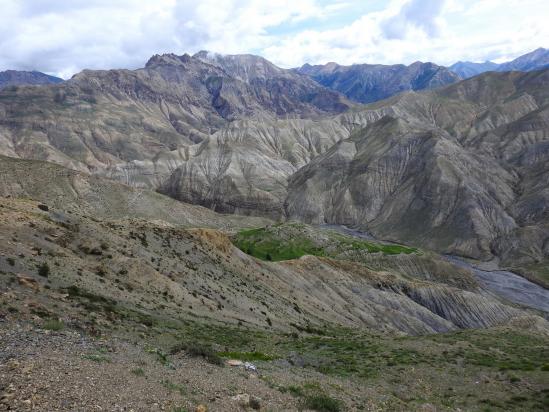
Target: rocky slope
(21,78)
(459,170)
(145,305)
(101,198)
(105,286)
(198,273)
(98,230)
(368,83)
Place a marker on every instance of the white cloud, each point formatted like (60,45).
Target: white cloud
(427,30)
(62,37)
(415,14)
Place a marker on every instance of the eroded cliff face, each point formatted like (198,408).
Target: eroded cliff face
(244,168)
(460,170)
(100,120)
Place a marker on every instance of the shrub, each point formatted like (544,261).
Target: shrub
(97,358)
(138,372)
(160,355)
(322,403)
(199,350)
(174,387)
(11,261)
(44,270)
(53,324)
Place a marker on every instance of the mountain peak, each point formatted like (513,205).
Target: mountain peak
(167,58)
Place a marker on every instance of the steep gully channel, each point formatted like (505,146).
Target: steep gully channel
(506,284)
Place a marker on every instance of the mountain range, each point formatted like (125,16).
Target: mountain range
(535,60)
(239,135)
(368,83)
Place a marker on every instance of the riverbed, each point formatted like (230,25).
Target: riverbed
(506,284)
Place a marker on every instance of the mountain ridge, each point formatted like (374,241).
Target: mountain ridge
(367,83)
(535,60)
(20,78)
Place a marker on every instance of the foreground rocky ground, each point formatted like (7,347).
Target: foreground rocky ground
(66,370)
(46,370)
(101,313)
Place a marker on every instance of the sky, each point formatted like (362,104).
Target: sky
(63,37)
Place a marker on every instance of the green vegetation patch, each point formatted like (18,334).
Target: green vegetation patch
(497,368)
(174,387)
(292,240)
(160,355)
(313,397)
(138,372)
(263,244)
(322,403)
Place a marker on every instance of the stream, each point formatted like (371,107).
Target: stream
(509,285)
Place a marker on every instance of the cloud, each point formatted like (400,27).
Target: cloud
(407,31)
(420,14)
(62,37)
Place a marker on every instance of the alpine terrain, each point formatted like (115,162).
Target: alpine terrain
(213,232)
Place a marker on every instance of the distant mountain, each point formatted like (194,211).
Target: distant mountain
(470,69)
(17,78)
(536,60)
(366,83)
